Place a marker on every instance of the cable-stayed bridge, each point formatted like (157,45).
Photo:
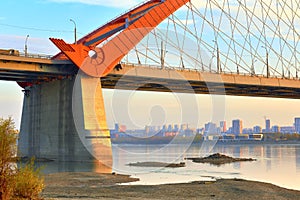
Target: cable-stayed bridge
(244,48)
(152,78)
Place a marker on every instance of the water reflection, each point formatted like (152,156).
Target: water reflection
(298,158)
(277,164)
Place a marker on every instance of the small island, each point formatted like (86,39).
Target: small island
(218,159)
(157,164)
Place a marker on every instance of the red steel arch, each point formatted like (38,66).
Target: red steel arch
(128,30)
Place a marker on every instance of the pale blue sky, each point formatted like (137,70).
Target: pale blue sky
(41,19)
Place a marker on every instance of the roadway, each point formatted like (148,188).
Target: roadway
(151,78)
(34,69)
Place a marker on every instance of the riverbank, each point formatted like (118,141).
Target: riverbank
(89,185)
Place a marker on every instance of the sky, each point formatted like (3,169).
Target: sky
(41,19)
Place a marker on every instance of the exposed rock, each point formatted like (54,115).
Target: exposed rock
(218,159)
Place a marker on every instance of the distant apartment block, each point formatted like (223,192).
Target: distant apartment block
(268,126)
(275,129)
(257,129)
(287,129)
(223,126)
(237,126)
(297,124)
(210,128)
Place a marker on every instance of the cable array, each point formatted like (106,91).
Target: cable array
(253,37)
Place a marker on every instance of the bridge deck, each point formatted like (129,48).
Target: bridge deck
(190,81)
(28,69)
(137,77)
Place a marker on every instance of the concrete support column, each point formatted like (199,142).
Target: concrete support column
(90,119)
(47,126)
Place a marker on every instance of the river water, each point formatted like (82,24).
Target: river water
(278,164)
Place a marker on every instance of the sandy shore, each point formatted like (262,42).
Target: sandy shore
(88,185)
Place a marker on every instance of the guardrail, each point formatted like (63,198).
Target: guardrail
(31,55)
(215,72)
(45,56)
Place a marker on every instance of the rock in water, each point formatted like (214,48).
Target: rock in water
(218,159)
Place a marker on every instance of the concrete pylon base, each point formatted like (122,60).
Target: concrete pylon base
(48,129)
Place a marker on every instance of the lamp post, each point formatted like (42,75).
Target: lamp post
(162,59)
(218,57)
(75,37)
(162,54)
(25,48)
(252,68)
(267,61)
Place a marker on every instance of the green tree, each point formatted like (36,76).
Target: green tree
(24,182)
(7,153)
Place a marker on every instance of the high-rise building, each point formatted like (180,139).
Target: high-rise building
(210,128)
(257,129)
(275,129)
(164,128)
(223,126)
(170,128)
(268,126)
(176,127)
(183,127)
(297,124)
(237,126)
(117,127)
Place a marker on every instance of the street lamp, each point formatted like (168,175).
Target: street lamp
(163,54)
(74,31)
(252,68)
(25,48)
(267,61)
(162,58)
(182,63)
(218,57)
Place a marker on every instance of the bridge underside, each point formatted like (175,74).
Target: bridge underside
(199,87)
(131,77)
(34,70)
(164,80)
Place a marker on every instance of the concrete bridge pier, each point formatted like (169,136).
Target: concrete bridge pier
(47,127)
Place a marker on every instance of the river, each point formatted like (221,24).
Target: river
(278,164)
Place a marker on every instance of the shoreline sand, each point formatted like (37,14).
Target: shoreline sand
(90,185)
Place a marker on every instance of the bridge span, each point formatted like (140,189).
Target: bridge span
(152,78)
(244,41)
(48,125)
(149,78)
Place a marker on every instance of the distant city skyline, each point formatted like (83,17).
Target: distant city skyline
(236,127)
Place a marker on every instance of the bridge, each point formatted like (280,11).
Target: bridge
(152,78)
(208,47)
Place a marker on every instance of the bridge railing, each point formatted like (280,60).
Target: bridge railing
(16,52)
(200,70)
(31,55)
